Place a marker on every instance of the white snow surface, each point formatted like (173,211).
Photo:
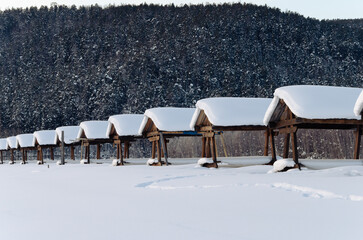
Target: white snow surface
(125,124)
(98,201)
(316,102)
(358,107)
(281,164)
(169,118)
(94,129)
(45,137)
(70,134)
(25,140)
(12,142)
(3,144)
(232,111)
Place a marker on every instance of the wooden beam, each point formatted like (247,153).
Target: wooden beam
(1,157)
(72,153)
(163,144)
(295,154)
(153,147)
(214,152)
(120,154)
(208,147)
(208,134)
(267,135)
(158,151)
(273,149)
(12,156)
(155,138)
(88,154)
(98,151)
(287,130)
(358,134)
(51,153)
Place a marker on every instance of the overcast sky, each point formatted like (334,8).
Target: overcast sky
(321,9)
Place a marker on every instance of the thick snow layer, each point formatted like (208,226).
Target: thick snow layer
(316,102)
(358,108)
(25,140)
(3,144)
(98,201)
(202,161)
(70,133)
(45,137)
(169,118)
(12,142)
(229,111)
(281,164)
(151,161)
(125,124)
(94,129)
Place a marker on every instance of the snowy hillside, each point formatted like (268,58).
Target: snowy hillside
(97,201)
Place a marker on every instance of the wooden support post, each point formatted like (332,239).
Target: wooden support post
(72,153)
(286,146)
(120,154)
(126,149)
(62,148)
(208,147)
(158,151)
(203,147)
(153,150)
(40,149)
(51,153)
(214,152)
(265,150)
(98,151)
(163,144)
(118,150)
(224,145)
(12,156)
(88,148)
(295,155)
(38,157)
(1,157)
(358,134)
(273,149)
(23,156)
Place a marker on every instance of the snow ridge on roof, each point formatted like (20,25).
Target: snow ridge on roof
(316,102)
(358,108)
(25,140)
(232,111)
(169,118)
(94,129)
(3,144)
(70,134)
(125,124)
(45,137)
(12,142)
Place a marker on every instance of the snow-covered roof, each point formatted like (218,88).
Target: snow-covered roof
(3,144)
(125,124)
(12,142)
(169,118)
(70,133)
(232,111)
(45,137)
(358,108)
(25,140)
(93,129)
(316,102)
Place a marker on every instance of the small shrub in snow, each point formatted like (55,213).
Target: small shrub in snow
(84,161)
(59,162)
(283,165)
(203,161)
(115,162)
(151,161)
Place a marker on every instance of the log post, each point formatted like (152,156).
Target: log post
(23,156)
(265,150)
(120,153)
(224,145)
(208,147)
(273,149)
(51,153)
(88,148)
(214,152)
(72,153)
(1,157)
(286,146)
(153,150)
(295,155)
(98,151)
(40,155)
(126,149)
(158,151)
(62,148)
(358,134)
(203,147)
(12,156)
(163,143)
(118,150)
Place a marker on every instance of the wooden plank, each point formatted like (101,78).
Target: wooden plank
(208,147)
(153,149)
(151,134)
(295,154)
(163,144)
(98,151)
(208,134)
(72,153)
(214,150)
(121,155)
(265,150)
(205,129)
(286,146)
(287,130)
(153,139)
(272,142)
(158,151)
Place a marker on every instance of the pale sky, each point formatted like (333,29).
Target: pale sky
(320,9)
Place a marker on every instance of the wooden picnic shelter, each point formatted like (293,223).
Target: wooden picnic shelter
(215,115)
(313,107)
(4,147)
(124,129)
(163,123)
(12,146)
(26,143)
(93,133)
(70,138)
(45,139)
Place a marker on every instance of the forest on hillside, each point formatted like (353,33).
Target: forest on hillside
(63,65)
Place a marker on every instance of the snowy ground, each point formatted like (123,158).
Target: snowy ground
(98,201)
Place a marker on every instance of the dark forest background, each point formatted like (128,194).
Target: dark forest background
(63,65)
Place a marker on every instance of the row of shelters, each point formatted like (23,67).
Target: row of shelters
(292,108)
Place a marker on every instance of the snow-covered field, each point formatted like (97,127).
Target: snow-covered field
(98,201)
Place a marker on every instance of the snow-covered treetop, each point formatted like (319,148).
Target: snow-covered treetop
(45,137)
(25,140)
(12,142)
(232,111)
(169,118)
(125,124)
(316,102)
(358,108)
(70,134)
(3,144)
(93,129)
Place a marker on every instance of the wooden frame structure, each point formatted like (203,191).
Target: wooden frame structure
(123,129)
(26,143)
(202,124)
(70,138)
(93,133)
(12,145)
(45,139)
(153,128)
(4,147)
(283,121)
